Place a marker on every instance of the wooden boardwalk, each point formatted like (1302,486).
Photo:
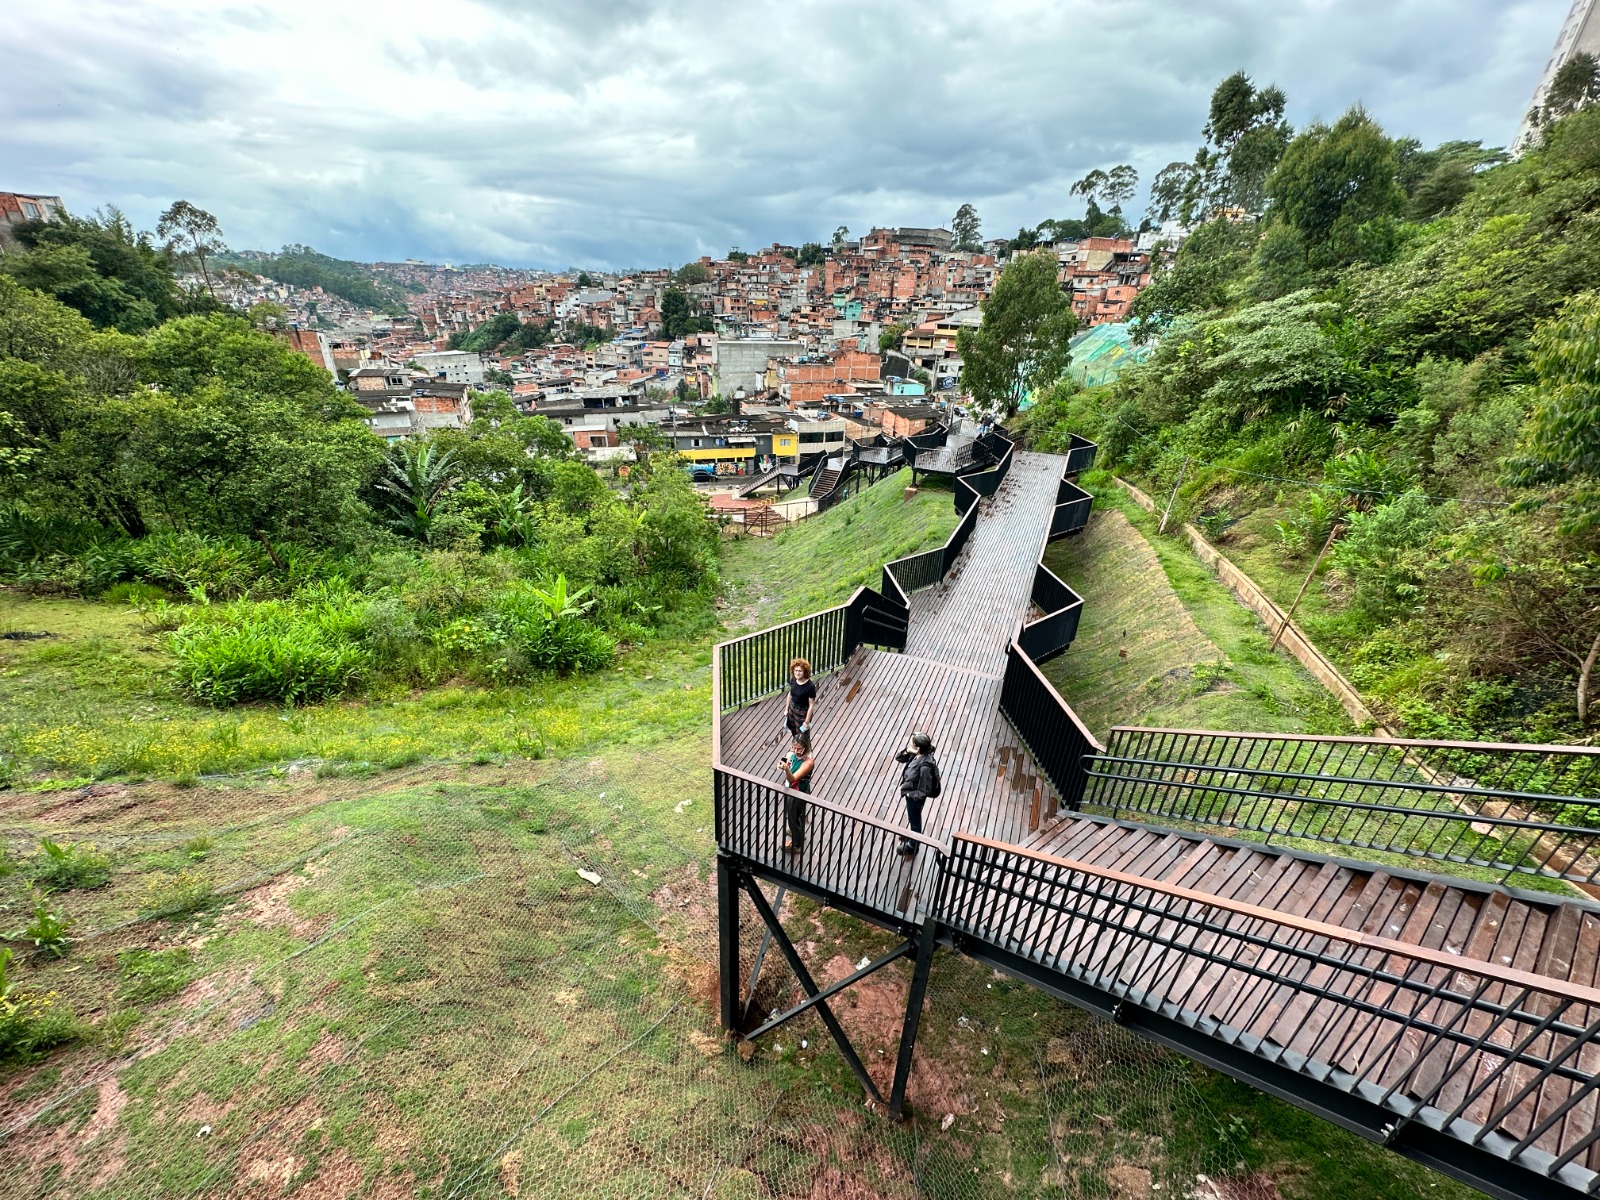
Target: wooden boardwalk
(946,683)
(1400,1038)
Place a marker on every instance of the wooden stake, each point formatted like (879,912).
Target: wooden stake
(1182,471)
(1332,533)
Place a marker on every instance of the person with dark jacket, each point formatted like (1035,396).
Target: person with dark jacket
(918,775)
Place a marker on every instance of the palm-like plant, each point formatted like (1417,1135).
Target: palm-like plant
(416,477)
(559,602)
(511,521)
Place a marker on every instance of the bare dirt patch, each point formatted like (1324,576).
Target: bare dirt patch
(269,905)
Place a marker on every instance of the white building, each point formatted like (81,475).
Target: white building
(456,366)
(1580,33)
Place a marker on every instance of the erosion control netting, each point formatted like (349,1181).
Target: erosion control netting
(499,980)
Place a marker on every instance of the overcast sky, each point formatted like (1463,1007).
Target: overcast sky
(637,133)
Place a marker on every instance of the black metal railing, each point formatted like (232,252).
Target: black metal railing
(1072,509)
(1045,722)
(757,664)
(1500,1059)
(1047,635)
(842,855)
(1506,808)
(1080,455)
(976,485)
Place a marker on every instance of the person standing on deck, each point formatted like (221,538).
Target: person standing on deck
(797,767)
(919,779)
(802,699)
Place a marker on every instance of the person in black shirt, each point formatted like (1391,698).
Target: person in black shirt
(802,699)
(918,779)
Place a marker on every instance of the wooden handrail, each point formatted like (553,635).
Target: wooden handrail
(1423,743)
(1355,937)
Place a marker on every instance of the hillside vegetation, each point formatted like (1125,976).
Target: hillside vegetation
(1399,353)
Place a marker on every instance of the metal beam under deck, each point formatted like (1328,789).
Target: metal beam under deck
(1474,1165)
(893,922)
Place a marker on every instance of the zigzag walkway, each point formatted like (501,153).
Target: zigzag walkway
(1415,997)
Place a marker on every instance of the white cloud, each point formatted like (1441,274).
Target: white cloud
(644,132)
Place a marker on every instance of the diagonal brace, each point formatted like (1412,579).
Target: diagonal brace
(761,956)
(804,976)
(900,951)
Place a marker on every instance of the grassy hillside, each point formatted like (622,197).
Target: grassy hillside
(374,968)
(1163,643)
(818,562)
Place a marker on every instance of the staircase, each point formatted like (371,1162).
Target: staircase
(827,479)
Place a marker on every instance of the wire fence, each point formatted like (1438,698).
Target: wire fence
(500,981)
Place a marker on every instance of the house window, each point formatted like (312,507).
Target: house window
(30,210)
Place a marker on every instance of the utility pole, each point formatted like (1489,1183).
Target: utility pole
(1182,471)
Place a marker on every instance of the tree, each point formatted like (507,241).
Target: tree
(1334,183)
(1560,443)
(1091,185)
(1576,85)
(811,255)
(100,266)
(1026,239)
(679,315)
(840,235)
(965,226)
(1121,183)
(1245,136)
(192,233)
(691,274)
(417,475)
(1173,193)
(1022,343)
(585,280)
(890,338)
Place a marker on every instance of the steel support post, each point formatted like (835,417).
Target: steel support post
(908,1031)
(798,966)
(728,879)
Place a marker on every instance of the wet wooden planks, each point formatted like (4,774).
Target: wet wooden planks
(968,619)
(868,709)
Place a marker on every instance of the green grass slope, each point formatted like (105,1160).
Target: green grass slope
(818,562)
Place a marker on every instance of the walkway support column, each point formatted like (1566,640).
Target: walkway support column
(908,1031)
(728,941)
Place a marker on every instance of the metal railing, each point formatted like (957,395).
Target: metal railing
(974,486)
(1045,722)
(1505,807)
(1072,507)
(1080,455)
(843,856)
(1497,1058)
(1047,635)
(757,664)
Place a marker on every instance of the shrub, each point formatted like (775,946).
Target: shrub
(47,930)
(30,1022)
(64,867)
(286,651)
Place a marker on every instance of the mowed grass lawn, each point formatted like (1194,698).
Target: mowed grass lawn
(347,950)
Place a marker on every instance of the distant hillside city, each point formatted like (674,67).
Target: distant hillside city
(742,362)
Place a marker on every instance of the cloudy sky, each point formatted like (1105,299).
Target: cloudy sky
(619,133)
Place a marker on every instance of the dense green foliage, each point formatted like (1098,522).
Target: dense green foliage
(1399,351)
(113,276)
(680,315)
(301,266)
(210,474)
